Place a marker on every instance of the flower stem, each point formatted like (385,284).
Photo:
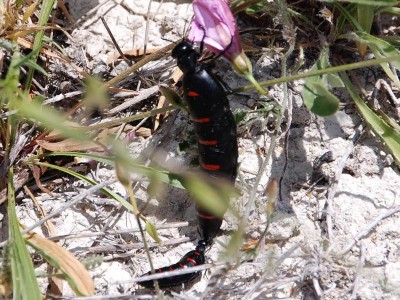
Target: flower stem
(255,83)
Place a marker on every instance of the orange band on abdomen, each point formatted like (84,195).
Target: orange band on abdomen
(210,167)
(191,260)
(205,216)
(208,142)
(201,120)
(193,94)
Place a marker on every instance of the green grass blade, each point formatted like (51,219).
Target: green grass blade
(19,100)
(365,17)
(47,6)
(389,10)
(151,230)
(165,176)
(48,118)
(346,13)
(26,61)
(24,281)
(387,133)
(106,191)
(213,197)
(381,49)
(9,85)
(210,194)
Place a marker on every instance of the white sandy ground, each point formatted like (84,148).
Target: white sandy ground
(301,259)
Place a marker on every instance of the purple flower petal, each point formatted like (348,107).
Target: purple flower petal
(214,19)
(215,25)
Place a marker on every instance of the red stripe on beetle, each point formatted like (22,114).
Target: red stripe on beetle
(182,265)
(205,216)
(193,94)
(201,120)
(191,260)
(210,167)
(208,142)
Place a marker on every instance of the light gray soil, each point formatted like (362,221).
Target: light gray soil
(326,240)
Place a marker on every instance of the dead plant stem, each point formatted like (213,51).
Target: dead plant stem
(366,231)
(332,190)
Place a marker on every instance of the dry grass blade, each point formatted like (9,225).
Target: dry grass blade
(69,145)
(30,10)
(55,284)
(74,271)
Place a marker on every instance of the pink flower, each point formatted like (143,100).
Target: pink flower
(215,25)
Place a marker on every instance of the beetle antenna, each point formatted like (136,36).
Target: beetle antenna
(168,40)
(202,40)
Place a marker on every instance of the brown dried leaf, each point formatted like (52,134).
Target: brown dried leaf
(68,145)
(74,271)
(37,173)
(157,119)
(176,75)
(143,131)
(55,284)
(249,245)
(112,57)
(5,287)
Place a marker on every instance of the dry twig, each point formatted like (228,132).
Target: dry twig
(80,235)
(144,94)
(338,173)
(360,266)
(366,231)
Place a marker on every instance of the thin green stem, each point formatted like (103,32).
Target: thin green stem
(357,65)
(255,83)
